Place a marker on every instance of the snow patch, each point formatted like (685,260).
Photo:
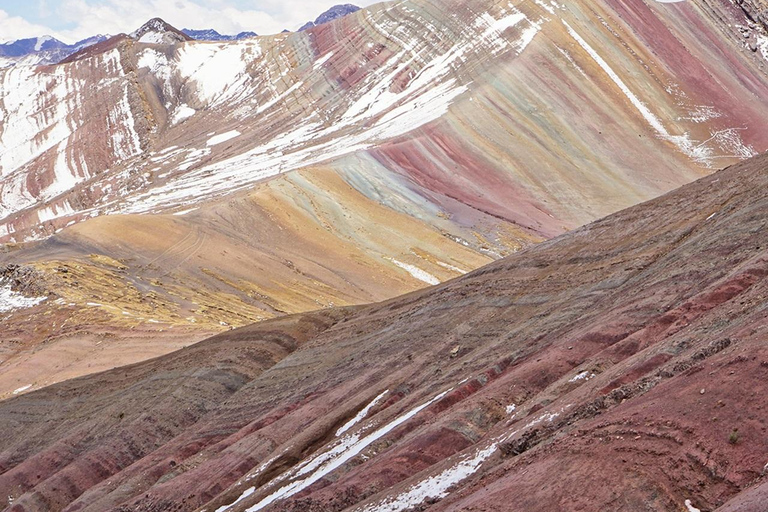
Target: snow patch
(689,506)
(181,113)
(322,60)
(41,41)
(585,375)
(224,137)
(12,301)
(434,487)
(416,272)
(22,389)
(451,267)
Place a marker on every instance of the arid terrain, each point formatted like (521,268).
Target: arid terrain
(468,255)
(161,190)
(630,352)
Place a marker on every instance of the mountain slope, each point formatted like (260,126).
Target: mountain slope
(179,189)
(616,367)
(350,88)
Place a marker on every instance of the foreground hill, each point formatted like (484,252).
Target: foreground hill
(159,193)
(618,367)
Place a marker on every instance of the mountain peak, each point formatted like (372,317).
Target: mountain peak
(335,12)
(158,31)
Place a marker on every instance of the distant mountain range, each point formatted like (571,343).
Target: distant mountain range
(42,50)
(49,50)
(212,35)
(335,12)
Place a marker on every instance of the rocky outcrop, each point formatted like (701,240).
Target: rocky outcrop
(757,10)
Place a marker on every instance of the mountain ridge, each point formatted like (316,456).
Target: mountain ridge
(47,50)
(606,340)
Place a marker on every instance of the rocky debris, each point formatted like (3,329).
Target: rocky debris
(756,10)
(23,279)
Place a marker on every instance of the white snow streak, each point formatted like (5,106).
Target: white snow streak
(360,415)
(416,272)
(224,137)
(697,152)
(22,389)
(347,448)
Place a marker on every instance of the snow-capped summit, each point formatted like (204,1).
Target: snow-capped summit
(157,31)
(23,47)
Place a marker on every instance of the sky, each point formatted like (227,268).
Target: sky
(74,20)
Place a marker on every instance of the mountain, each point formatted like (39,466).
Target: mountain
(156,194)
(335,12)
(23,47)
(212,35)
(620,366)
(157,31)
(44,50)
(49,50)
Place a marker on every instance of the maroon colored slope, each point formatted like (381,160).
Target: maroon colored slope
(633,351)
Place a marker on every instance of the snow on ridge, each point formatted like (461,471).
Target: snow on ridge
(218,69)
(41,41)
(218,74)
(375,116)
(42,113)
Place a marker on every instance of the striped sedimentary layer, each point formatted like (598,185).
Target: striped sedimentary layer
(543,114)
